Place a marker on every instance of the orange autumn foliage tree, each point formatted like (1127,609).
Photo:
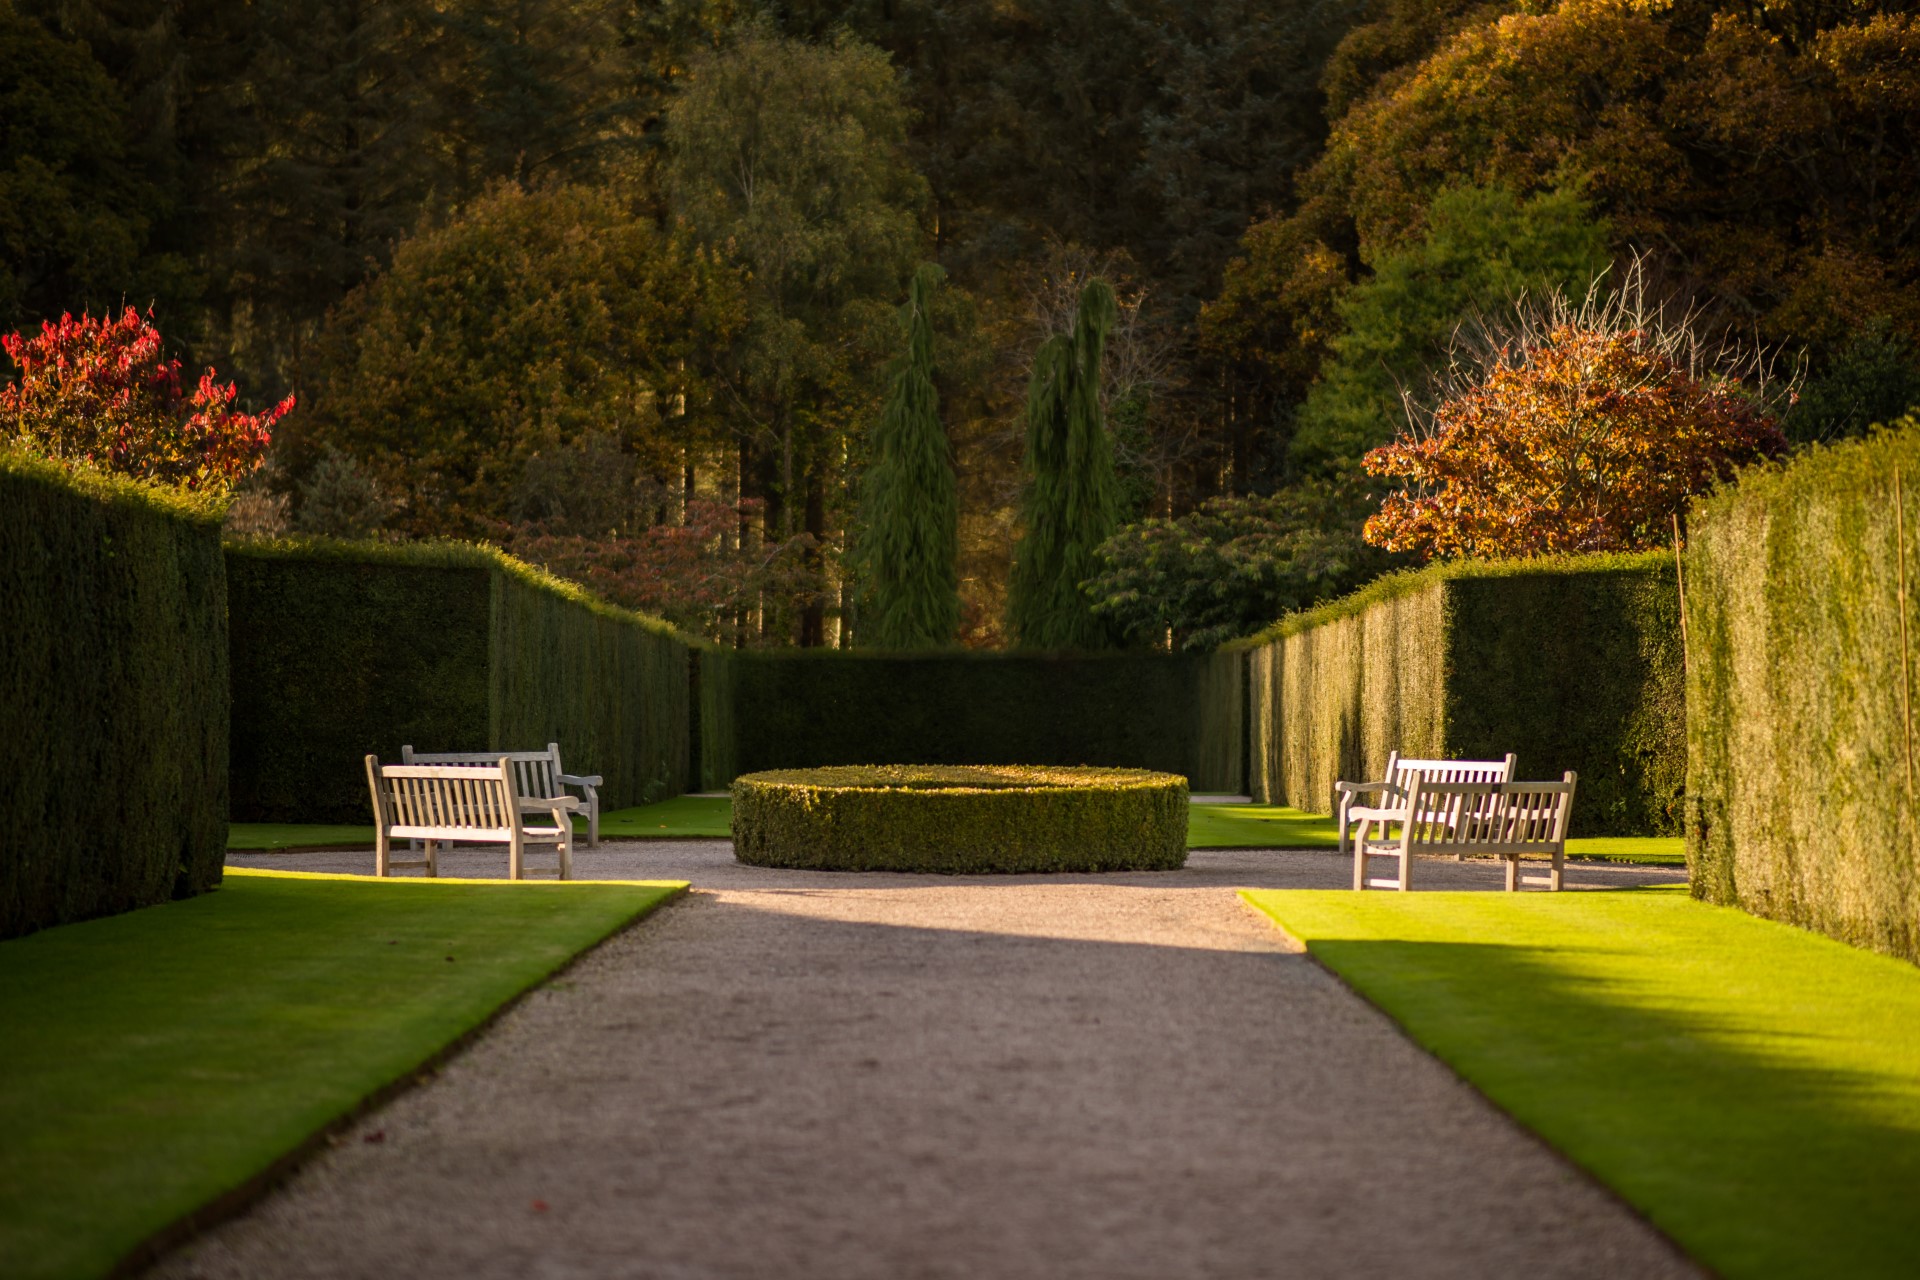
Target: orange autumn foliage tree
(1577,437)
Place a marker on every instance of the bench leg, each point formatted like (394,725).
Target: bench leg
(566,851)
(1559,869)
(433,858)
(1359,855)
(1513,872)
(382,852)
(1406,866)
(593,823)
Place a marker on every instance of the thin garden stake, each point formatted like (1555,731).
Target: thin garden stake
(1906,682)
(1680,574)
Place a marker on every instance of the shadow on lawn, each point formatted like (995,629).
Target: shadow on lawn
(1726,1131)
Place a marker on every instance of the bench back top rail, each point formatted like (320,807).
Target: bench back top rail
(1401,771)
(536,774)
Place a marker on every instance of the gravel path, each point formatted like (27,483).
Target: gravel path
(799,1075)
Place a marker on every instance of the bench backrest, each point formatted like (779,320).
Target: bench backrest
(445,801)
(1489,817)
(535,773)
(1402,773)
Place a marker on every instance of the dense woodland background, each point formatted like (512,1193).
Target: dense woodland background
(612,283)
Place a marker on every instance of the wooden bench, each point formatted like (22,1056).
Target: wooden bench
(466,804)
(1400,776)
(1510,820)
(537,773)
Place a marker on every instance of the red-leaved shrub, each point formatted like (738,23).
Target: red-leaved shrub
(99,391)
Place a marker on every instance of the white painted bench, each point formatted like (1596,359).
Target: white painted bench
(537,773)
(1510,820)
(465,804)
(1400,777)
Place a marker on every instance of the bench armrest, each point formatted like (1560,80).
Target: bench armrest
(550,804)
(581,780)
(1355,788)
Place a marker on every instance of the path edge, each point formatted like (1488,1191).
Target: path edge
(1579,1170)
(237,1199)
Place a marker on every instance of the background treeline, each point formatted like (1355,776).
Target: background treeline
(581,277)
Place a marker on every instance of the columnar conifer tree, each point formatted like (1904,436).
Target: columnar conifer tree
(911,525)
(1072,503)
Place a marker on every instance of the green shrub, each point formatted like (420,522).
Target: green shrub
(1801,771)
(1569,662)
(961,820)
(113,776)
(345,649)
(801,709)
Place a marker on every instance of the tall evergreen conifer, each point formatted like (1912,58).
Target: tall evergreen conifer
(1072,502)
(911,526)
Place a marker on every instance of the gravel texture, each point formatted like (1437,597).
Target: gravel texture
(798,1075)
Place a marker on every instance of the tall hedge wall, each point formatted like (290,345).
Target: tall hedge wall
(797,709)
(1801,688)
(113,673)
(1571,663)
(341,649)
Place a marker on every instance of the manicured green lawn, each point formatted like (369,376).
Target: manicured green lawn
(1253,826)
(1209,826)
(291,835)
(1658,851)
(157,1059)
(1752,1088)
(1258,826)
(685,817)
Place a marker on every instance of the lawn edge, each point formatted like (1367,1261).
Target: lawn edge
(235,1200)
(1400,1028)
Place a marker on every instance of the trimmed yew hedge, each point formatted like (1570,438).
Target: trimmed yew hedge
(113,673)
(1569,662)
(1801,693)
(345,649)
(800,709)
(961,820)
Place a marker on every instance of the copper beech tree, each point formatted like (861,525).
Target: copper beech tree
(1584,429)
(98,391)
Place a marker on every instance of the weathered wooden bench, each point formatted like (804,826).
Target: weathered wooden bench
(537,773)
(463,804)
(1510,820)
(1400,776)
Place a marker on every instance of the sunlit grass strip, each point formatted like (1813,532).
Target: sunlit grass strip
(1258,826)
(1752,1088)
(158,1060)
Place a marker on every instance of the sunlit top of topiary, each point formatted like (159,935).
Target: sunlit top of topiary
(961,777)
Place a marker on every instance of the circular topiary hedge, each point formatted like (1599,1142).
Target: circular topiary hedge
(961,819)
